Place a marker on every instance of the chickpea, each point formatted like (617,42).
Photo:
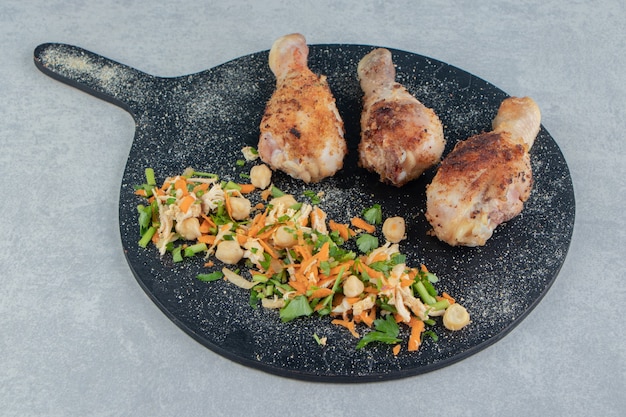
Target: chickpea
(285,237)
(353,286)
(456,317)
(189,229)
(260,176)
(229,252)
(394,229)
(240,207)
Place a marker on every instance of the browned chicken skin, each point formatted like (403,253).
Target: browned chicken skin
(486,179)
(400,137)
(302,132)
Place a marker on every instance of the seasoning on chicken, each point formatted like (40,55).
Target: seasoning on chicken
(302,132)
(486,179)
(400,137)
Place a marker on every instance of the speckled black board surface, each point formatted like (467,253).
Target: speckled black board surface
(203,120)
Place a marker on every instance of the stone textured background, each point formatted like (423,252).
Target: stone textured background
(78,335)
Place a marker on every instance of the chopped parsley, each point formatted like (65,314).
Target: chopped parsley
(386,331)
(367,242)
(373,215)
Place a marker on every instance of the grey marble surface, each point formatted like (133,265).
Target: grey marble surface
(78,335)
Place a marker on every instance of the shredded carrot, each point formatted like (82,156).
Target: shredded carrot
(299,286)
(229,208)
(205,226)
(265,194)
(324,252)
(310,267)
(208,239)
(317,215)
(417,327)
(181,184)
(342,266)
(447,296)
(246,188)
(141,192)
(412,273)
(368,317)
(209,264)
(186,202)
(308,263)
(201,187)
(326,281)
(362,267)
(396,350)
(209,220)
(371,290)
(352,300)
(318,306)
(359,223)
(303,251)
(267,233)
(257,224)
(348,324)
(406,282)
(342,229)
(300,236)
(166,185)
(268,248)
(304,221)
(241,238)
(320,293)
(379,257)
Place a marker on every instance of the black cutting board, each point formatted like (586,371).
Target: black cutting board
(203,120)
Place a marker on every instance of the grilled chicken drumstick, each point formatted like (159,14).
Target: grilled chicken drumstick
(302,132)
(400,137)
(486,179)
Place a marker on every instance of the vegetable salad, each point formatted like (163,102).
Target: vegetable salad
(291,257)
